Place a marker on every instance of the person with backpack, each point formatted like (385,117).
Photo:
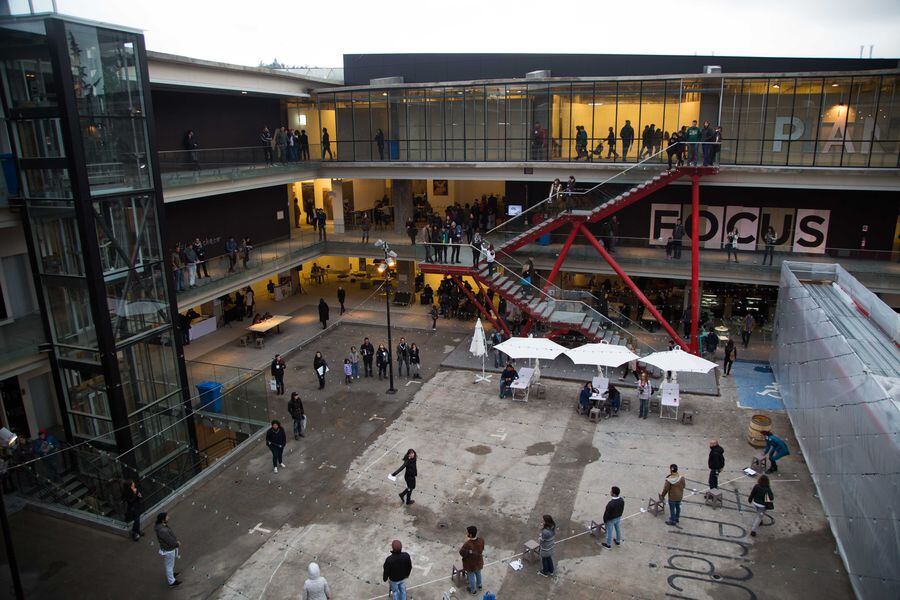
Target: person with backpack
(295,409)
(762,499)
(612,516)
(472,553)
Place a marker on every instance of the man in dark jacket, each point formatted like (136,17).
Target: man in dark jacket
(341,296)
(506,379)
(472,553)
(168,547)
(323,313)
(627,137)
(397,567)
(716,463)
(295,409)
(677,235)
(277,369)
(402,357)
(612,516)
(368,353)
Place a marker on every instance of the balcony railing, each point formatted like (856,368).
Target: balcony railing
(189,167)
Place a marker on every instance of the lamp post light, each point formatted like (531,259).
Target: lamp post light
(387,265)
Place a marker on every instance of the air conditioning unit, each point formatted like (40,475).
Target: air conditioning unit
(386,80)
(543,74)
(708,69)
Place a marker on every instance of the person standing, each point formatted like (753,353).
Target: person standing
(673,150)
(692,136)
(303,140)
(200,251)
(366,225)
(280,144)
(645,390)
(612,517)
(472,553)
(570,191)
(762,499)
(316,587)
(320,367)
(134,507)
(295,409)
(455,240)
(414,360)
(277,369)
(731,244)
(547,535)
(677,235)
(646,142)
(175,263)
(326,145)
(489,257)
(611,144)
(397,567)
(496,339)
(341,296)
(169,547)
(323,313)
(748,326)
(707,136)
(674,489)
(730,357)
(716,146)
(402,357)
(276,440)
(190,262)
(627,136)
(382,358)
(379,142)
(265,140)
(776,449)
(433,313)
(715,462)
(246,248)
(367,350)
(409,476)
(354,362)
(348,372)
(321,217)
(769,252)
(250,301)
(231,249)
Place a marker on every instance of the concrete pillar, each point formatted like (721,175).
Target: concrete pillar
(406,276)
(401,198)
(337,205)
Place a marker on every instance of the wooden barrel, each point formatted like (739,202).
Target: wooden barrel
(758,424)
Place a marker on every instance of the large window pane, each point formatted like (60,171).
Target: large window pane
(800,130)
(149,372)
(363,146)
(416,125)
(653,98)
(137,301)
(604,117)
(115,152)
(327,123)
(127,232)
(519,128)
(29,82)
(860,121)
(778,113)
(342,139)
(454,123)
(833,120)
(70,311)
(539,100)
(628,115)
(56,239)
(50,184)
(561,135)
(39,138)
(583,116)
(88,403)
(887,125)
(753,119)
(496,122)
(474,113)
(379,113)
(105,71)
(732,97)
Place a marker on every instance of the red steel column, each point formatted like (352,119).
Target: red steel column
(562,256)
(695,262)
(637,292)
(459,283)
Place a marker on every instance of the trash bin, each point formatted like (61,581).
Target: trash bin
(210,396)
(544,240)
(393,149)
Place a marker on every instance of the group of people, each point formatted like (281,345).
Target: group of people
(290,145)
(188,263)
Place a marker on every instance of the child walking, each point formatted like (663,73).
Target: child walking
(348,371)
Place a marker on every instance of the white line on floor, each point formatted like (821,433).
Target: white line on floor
(281,562)
(377,459)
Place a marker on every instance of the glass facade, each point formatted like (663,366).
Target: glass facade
(841,121)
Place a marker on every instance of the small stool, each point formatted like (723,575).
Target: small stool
(242,342)
(625,404)
(687,417)
(654,405)
(760,465)
(655,507)
(540,390)
(531,550)
(595,415)
(260,342)
(713,498)
(598,530)
(458,575)
(579,409)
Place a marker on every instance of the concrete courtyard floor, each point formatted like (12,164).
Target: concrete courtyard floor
(497,464)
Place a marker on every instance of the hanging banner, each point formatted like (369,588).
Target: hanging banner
(746,220)
(811,231)
(662,221)
(711,225)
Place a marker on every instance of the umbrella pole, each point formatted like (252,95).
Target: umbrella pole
(482,377)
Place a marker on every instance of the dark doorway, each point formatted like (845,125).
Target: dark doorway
(15,407)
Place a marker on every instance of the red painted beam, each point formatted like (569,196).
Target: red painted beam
(458,281)
(492,309)
(695,262)
(562,256)
(637,292)
(634,195)
(547,226)
(527,328)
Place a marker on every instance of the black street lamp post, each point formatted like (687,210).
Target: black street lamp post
(385,267)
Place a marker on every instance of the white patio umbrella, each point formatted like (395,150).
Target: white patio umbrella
(478,347)
(603,354)
(531,347)
(679,361)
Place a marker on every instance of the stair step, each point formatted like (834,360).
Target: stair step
(547,310)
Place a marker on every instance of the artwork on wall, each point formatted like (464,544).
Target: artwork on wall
(439,187)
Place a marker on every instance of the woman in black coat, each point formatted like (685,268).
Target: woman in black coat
(320,367)
(276,440)
(323,313)
(382,358)
(409,466)
(414,360)
(134,507)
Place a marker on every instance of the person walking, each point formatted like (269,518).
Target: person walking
(731,244)
(382,358)
(323,313)
(341,296)
(546,537)
(409,476)
(489,257)
(611,144)
(570,191)
(316,587)
(231,249)
(674,489)
(769,253)
(612,517)
(626,134)
(397,567)
(645,390)
(472,553)
(168,547)
(433,313)
(730,357)
(320,367)
(295,409)
(414,360)
(715,462)
(747,328)
(326,145)
(367,350)
(354,362)
(134,507)
(776,449)
(276,440)
(762,499)
(677,235)
(379,142)
(402,357)
(277,368)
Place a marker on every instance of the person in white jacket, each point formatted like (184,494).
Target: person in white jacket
(489,257)
(316,587)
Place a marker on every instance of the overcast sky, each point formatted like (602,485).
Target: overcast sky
(318,33)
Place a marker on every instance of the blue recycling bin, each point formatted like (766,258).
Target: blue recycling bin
(393,149)
(544,240)
(210,396)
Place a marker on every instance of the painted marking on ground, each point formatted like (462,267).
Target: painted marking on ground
(501,434)
(259,529)
(756,386)
(386,452)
